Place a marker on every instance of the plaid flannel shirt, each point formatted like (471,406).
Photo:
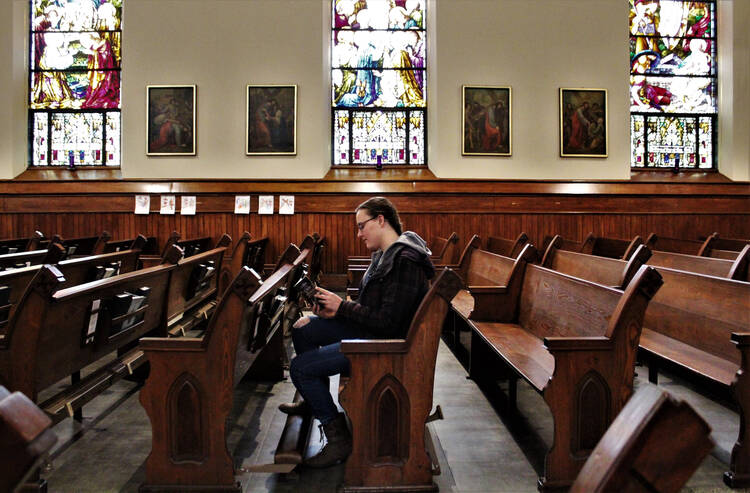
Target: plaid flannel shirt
(388,301)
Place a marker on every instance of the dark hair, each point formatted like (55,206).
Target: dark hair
(381,206)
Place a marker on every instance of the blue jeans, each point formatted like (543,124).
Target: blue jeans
(318,348)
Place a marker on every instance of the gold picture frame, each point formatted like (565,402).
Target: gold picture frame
(487,128)
(584,129)
(271,120)
(171,120)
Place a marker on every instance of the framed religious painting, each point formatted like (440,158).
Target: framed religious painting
(171,120)
(487,121)
(583,122)
(271,120)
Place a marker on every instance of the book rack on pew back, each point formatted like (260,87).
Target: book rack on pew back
(597,245)
(13,283)
(54,333)
(572,340)
(53,254)
(34,242)
(194,288)
(188,394)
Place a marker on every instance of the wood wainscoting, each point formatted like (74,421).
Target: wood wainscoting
(621,209)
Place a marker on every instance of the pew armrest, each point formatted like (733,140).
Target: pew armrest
(594,343)
(363,346)
(741,338)
(487,290)
(171,344)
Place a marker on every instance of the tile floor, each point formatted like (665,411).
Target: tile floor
(477,450)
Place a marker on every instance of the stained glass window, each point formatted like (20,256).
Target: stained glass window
(378,89)
(74,82)
(673,84)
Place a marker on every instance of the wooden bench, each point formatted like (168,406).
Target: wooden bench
(573,341)
(25,440)
(193,288)
(388,398)
(601,270)
(640,452)
(54,333)
(737,269)
(13,283)
(88,245)
(151,246)
(51,255)
(598,245)
(730,244)
(701,325)
(34,242)
(505,247)
(188,394)
(246,253)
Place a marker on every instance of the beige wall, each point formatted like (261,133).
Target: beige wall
(535,46)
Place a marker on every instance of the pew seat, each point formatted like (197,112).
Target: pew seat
(701,325)
(572,340)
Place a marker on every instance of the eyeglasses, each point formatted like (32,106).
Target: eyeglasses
(361,226)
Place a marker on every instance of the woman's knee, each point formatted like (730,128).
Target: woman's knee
(301,322)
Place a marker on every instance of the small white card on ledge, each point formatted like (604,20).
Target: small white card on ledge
(286,204)
(142,204)
(187,205)
(265,204)
(168,204)
(242,204)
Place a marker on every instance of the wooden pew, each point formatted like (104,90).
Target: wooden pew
(247,252)
(388,398)
(51,255)
(34,242)
(13,283)
(188,394)
(653,446)
(151,246)
(573,341)
(505,247)
(599,245)
(79,247)
(701,325)
(730,244)
(737,269)
(25,440)
(190,247)
(601,270)
(194,287)
(55,332)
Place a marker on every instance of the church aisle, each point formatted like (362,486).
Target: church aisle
(476,450)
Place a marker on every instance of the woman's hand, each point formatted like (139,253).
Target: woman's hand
(327,303)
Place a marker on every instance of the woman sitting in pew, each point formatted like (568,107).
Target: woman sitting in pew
(390,293)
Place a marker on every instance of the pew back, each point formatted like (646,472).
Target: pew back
(555,304)
(701,311)
(732,269)
(505,247)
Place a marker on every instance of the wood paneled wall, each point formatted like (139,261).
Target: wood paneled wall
(433,207)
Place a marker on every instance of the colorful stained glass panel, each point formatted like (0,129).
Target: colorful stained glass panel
(671,18)
(672,94)
(705,140)
(672,56)
(671,142)
(638,140)
(416,138)
(113,145)
(378,49)
(39,146)
(341,137)
(379,137)
(89,90)
(77,138)
(76,15)
(386,88)
(378,14)
(82,51)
